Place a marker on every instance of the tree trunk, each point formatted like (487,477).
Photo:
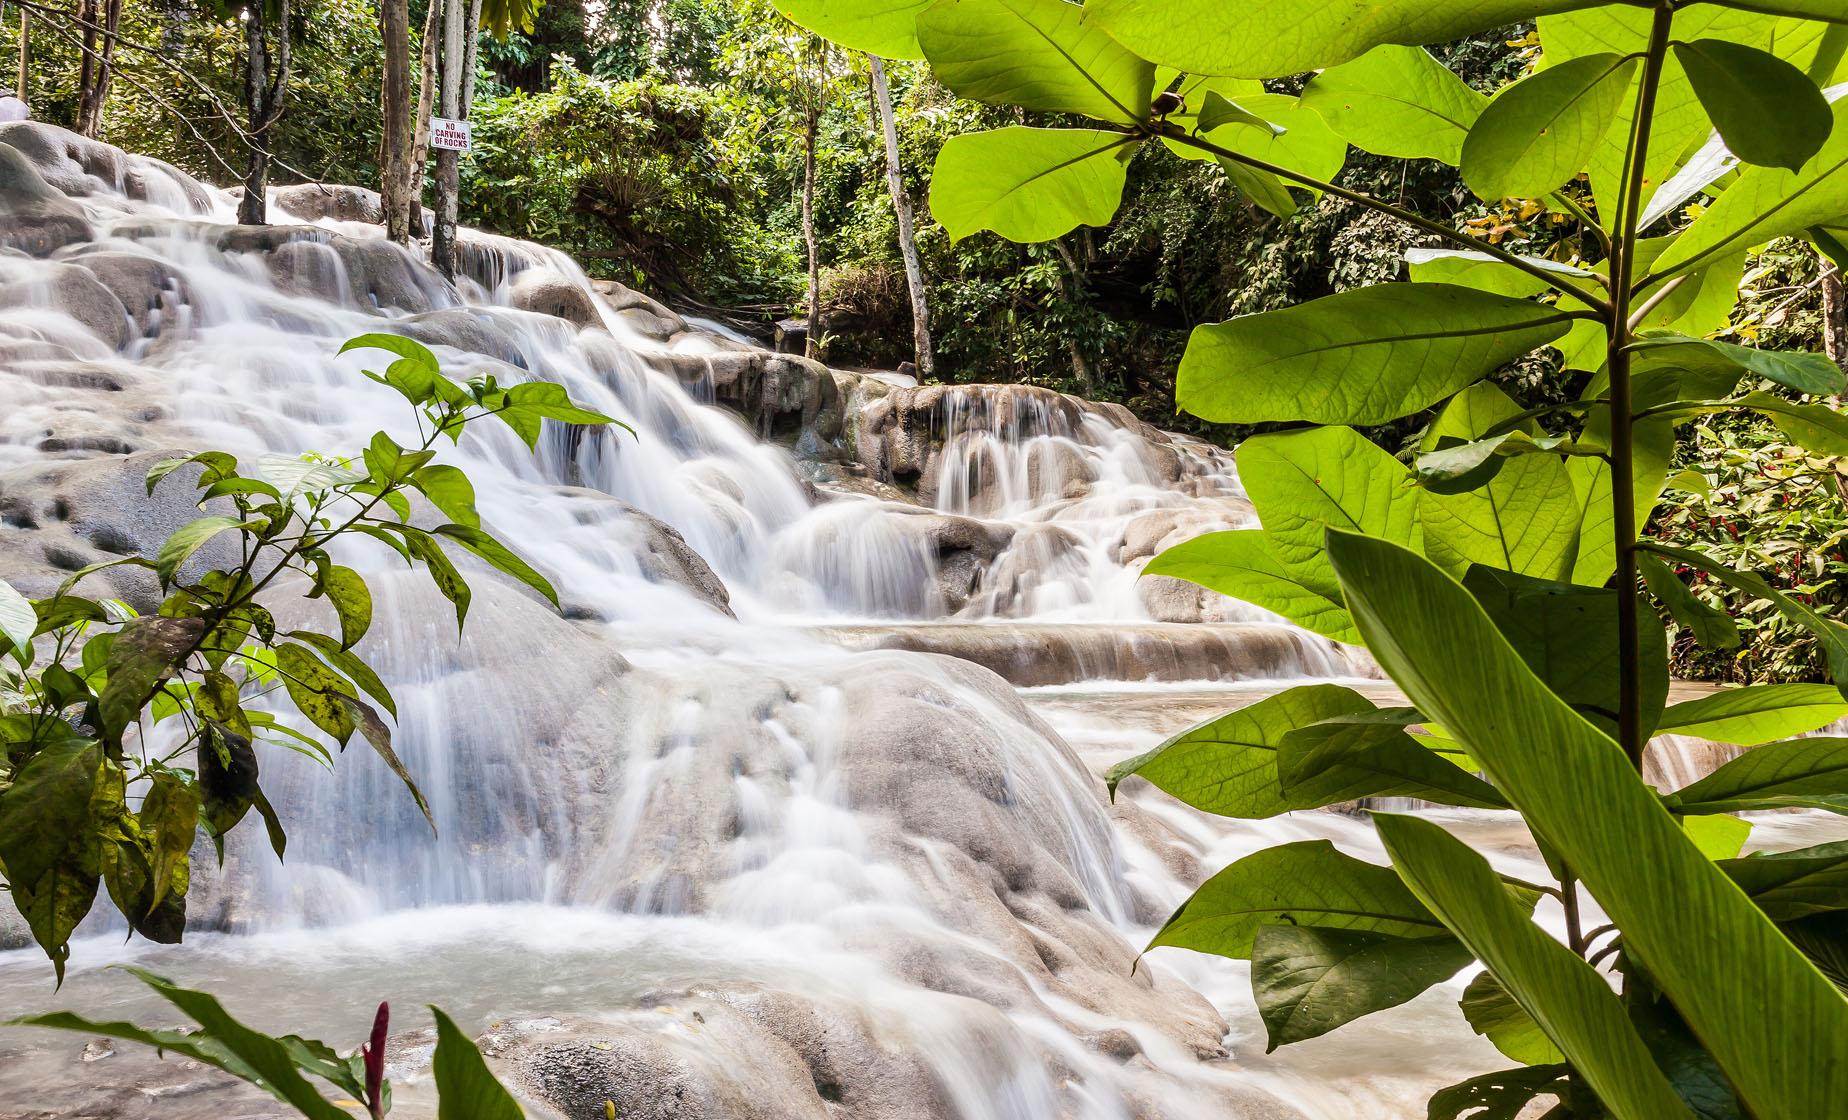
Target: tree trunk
(448,162)
(100,23)
(264,92)
(907,236)
(426,105)
(395,172)
(25,53)
(1834,313)
(811,130)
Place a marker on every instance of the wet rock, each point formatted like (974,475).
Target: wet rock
(78,167)
(79,294)
(312,202)
(551,293)
(962,548)
(470,330)
(150,290)
(35,219)
(662,553)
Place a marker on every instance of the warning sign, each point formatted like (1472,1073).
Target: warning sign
(449,135)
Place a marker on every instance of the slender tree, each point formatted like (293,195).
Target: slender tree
(396,181)
(907,235)
(461,19)
(25,53)
(100,20)
(814,97)
(266,83)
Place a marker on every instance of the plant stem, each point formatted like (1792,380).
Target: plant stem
(1623,449)
(1475,244)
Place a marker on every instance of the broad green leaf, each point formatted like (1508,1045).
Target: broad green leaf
(1239,563)
(1301,482)
(1524,519)
(260,1054)
(1795,884)
(1567,635)
(1228,765)
(296,474)
(1301,141)
(1360,357)
(1473,269)
(1810,772)
(1654,450)
(1397,101)
(45,812)
(1220,110)
(18,621)
(450,491)
(215,467)
(169,818)
(466,1087)
(1038,54)
(500,556)
(1711,627)
(315,690)
(1572,1004)
(1831,635)
(1276,38)
(1264,189)
(1347,757)
(1766,1014)
(1541,131)
(1768,111)
(414,374)
(1495,1014)
(227,782)
(348,662)
(1755,714)
(1766,203)
(352,600)
(1812,374)
(887,28)
(1029,184)
(1308,981)
(188,539)
(145,650)
(1719,836)
(442,572)
(1307,883)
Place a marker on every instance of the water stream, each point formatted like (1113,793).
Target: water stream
(764,852)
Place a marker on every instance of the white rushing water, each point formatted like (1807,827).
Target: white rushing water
(756,853)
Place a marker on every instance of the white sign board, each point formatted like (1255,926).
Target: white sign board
(449,135)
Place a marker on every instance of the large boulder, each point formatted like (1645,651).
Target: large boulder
(77,293)
(80,167)
(35,218)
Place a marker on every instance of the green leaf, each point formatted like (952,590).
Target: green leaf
(449,490)
(1572,1004)
(257,1053)
(190,538)
(1795,884)
(414,374)
(1810,772)
(18,621)
(352,600)
(1718,837)
(1301,482)
(45,812)
(1755,714)
(1344,758)
(1300,141)
(1220,110)
(217,466)
(1308,981)
(1567,635)
(1762,1009)
(1038,54)
(1029,184)
(1711,627)
(1275,38)
(1495,1014)
(1474,269)
(227,782)
(1540,132)
(298,474)
(1814,374)
(1831,635)
(1768,111)
(1228,765)
(1239,563)
(145,650)
(315,690)
(1766,203)
(1359,357)
(1397,101)
(1524,519)
(1307,883)
(887,28)
(500,556)
(443,573)
(348,662)
(169,818)
(1500,1095)
(468,1090)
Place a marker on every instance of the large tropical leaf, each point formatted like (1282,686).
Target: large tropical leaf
(1812,773)
(1397,101)
(1037,54)
(1371,754)
(1767,111)
(1301,482)
(1308,981)
(1769,1018)
(1755,714)
(1029,184)
(1571,1002)
(1541,131)
(1228,765)
(1240,563)
(1795,884)
(888,28)
(1360,357)
(1274,38)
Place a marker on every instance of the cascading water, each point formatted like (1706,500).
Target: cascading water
(718,842)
